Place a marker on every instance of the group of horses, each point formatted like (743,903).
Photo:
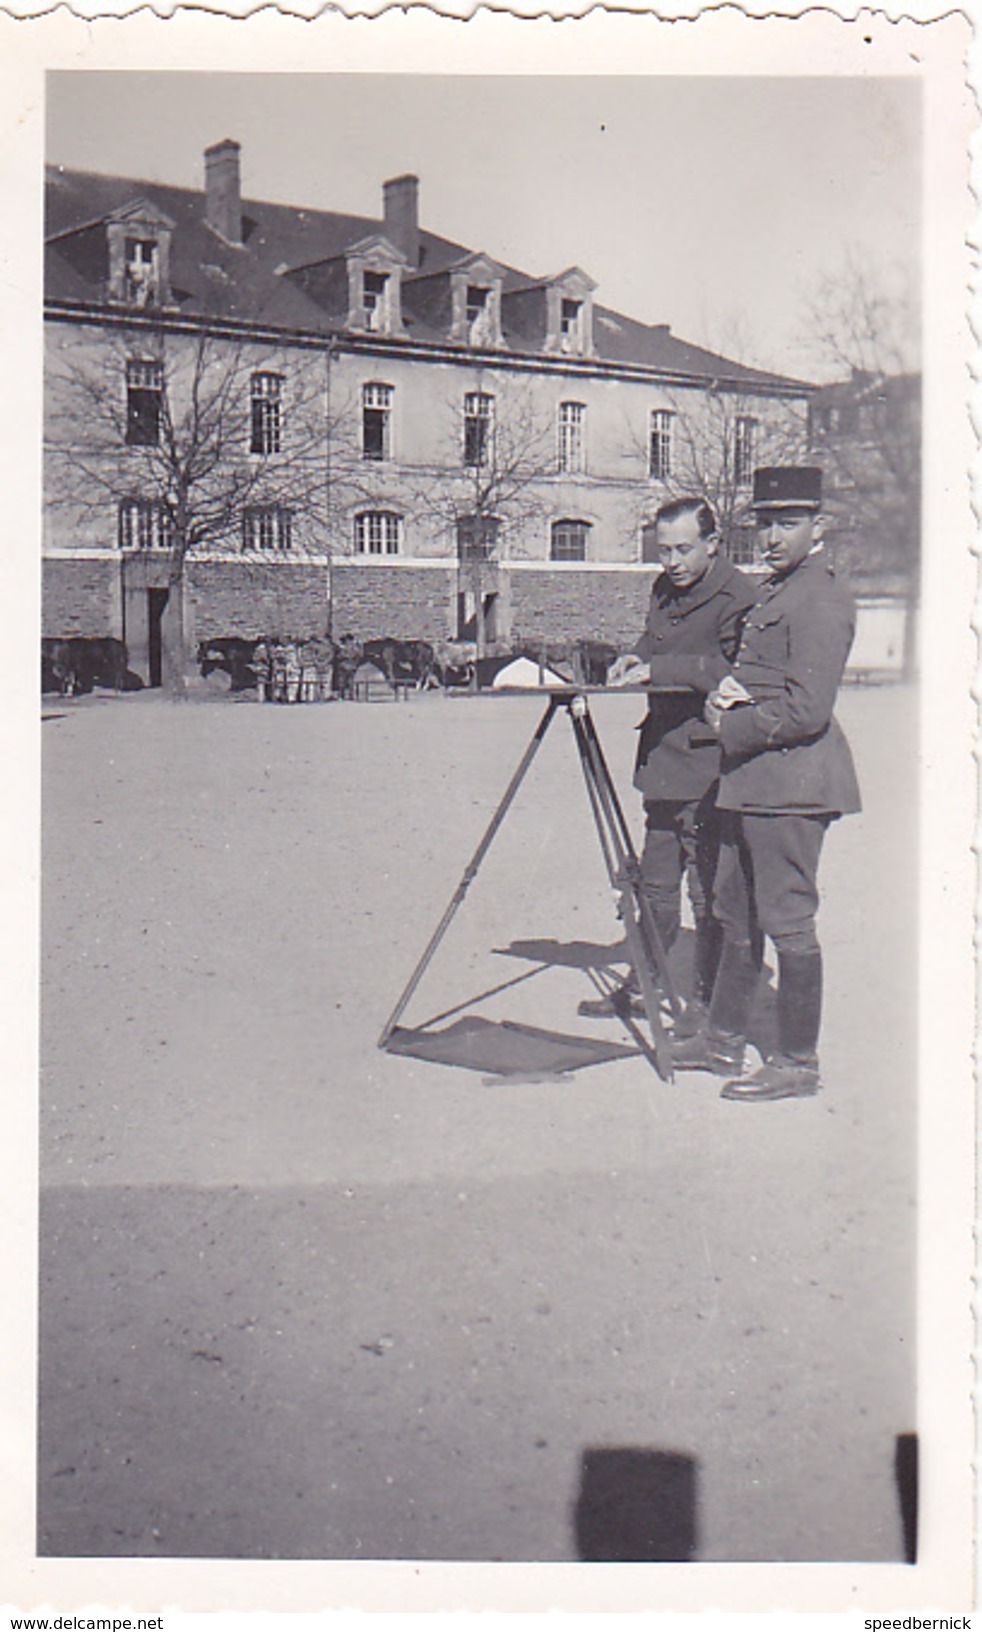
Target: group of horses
(76,665)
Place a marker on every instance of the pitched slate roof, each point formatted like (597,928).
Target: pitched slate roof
(252,282)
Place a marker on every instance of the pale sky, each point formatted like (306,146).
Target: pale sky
(711,204)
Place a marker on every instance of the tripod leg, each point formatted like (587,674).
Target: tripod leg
(649,927)
(470,871)
(646,949)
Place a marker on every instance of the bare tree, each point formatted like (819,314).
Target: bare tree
(866,424)
(189,443)
(720,436)
(486,488)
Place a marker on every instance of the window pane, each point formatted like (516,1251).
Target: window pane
(743,449)
(660,457)
(477,537)
(569,540)
(377,533)
(571,418)
(142,418)
(377,404)
(266,527)
(375,425)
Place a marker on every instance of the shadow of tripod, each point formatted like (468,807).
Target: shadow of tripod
(644,943)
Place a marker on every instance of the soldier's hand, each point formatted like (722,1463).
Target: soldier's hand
(712,714)
(627,671)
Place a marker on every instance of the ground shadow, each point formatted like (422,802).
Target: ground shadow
(636,1506)
(566,954)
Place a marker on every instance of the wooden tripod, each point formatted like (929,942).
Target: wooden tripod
(645,945)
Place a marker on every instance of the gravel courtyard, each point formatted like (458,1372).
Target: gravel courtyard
(304,1299)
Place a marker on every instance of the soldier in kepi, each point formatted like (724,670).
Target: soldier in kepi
(698,604)
(786,774)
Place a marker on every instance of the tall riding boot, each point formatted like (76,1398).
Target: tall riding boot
(799,1005)
(792,1073)
(720,1044)
(709,950)
(709,945)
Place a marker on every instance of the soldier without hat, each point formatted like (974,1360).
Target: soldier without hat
(698,604)
(786,774)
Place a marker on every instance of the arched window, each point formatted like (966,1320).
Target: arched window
(569,540)
(378,532)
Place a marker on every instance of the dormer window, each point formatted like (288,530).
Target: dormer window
(480,315)
(138,240)
(375,285)
(475,302)
(375,271)
(569,313)
(571,324)
(141,271)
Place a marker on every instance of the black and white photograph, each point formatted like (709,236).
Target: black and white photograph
(491,613)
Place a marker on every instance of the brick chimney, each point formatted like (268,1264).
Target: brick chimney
(223,190)
(401,210)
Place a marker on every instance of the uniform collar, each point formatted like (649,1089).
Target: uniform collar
(815,561)
(697,594)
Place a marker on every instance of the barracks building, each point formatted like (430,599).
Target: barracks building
(357,426)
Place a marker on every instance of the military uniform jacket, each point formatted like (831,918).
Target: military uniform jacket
(690,640)
(785,753)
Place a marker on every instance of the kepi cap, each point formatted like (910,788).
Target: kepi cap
(799,486)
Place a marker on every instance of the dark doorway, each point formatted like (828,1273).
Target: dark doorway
(156,602)
(467,617)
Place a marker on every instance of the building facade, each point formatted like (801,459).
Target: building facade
(268,420)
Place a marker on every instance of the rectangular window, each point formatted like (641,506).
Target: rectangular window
(266,527)
(266,423)
(480,315)
(743,551)
(660,447)
(478,427)
(744,449)
(477,301)
(377,532)
(141,271)
(477,537)
(568,541)
(144,524)
(144,399)
(572,420)
(373,299)
(571,324)
(376,422)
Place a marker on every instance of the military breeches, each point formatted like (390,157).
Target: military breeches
(766,879)
(681,841)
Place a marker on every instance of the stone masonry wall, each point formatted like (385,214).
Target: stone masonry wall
(251,599)
(371,602)
(81,598)
(560,606)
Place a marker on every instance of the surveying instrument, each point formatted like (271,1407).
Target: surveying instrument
(646,948)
